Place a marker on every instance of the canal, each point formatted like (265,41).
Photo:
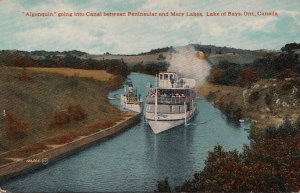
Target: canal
(136,159)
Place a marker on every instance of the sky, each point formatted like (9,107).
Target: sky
(132,35)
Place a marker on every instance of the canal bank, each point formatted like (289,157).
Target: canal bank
(136,159)
(39,160)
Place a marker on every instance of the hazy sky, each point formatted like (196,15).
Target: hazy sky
(129,35)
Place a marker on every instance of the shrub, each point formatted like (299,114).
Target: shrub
(24,77)
(212,96)
(116,82)
(163,186)
(287,87)
(268,99)
(72,113)
(247,76)
(287,73)
(61,118)
(254,97)
(232,111)
(225,73)
(16,128)
(61,139)
(103,124)
(271,164)
(76,113)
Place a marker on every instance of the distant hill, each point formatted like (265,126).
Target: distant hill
(69,59)
(156,55)
(147,62)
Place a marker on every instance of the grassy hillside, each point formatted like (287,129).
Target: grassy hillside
(131,60)
(37,105)
(268,102)
(233,58)
(100,75)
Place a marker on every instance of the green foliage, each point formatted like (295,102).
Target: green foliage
(69,59)
(150,68)
(254,97)
(225,73)
(268,99)
(287,129)
(72,113)
(15,127)
(290,46)
(212,96)
(276,66)
(271,164)
(232,111)
(247,76)
(158,50)
(273,65)
(163,186)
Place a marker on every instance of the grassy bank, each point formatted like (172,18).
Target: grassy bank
(266,103)
(48,107)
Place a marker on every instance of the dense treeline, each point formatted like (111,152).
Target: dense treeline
(150,68)
(158,50)
(283,65)
(270,164)
(211,49)
(291,46)
(61,59)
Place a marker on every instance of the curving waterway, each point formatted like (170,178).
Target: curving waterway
(136,159)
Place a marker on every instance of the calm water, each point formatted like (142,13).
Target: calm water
(136,159)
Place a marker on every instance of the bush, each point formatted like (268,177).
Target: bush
(232,111)
(16,128)
(61,118)
(271,164)
(103,124)
(163,186)
(248,76)
(151,68)
(24,77)
(116,82)
(76,113)
(61,139)
(225,73)
(286,129)
(268,99)
(254,97)
(212,96)
(72,113)
(287,73)
(286,87)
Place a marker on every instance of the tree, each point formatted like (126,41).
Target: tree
(290,46)
(270,164)
(287,73)
(247,76)
(163,186)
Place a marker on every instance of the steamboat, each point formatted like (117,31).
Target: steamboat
(170,103)
(130,100)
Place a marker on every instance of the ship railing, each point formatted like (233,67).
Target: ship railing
(167,100)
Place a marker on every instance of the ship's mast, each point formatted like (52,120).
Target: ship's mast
(185,113)
(155,105)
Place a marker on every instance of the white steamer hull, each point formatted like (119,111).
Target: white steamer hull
(164,125)
(160,126)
